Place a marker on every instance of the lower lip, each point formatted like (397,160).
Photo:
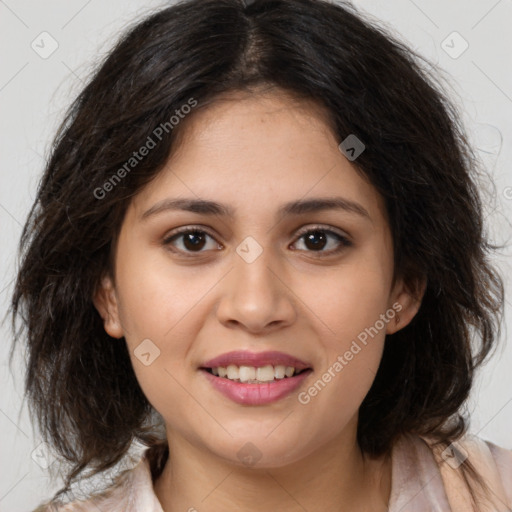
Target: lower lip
(256,394)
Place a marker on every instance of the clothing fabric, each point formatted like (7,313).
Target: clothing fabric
(423,479)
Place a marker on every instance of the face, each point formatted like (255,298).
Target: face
(283,283)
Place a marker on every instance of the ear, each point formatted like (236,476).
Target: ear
(105,301)
(405,300)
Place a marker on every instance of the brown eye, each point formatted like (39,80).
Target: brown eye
(316,239)
(192,240)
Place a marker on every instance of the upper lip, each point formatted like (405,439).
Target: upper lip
(256,359)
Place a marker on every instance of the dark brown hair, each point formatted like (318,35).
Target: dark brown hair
(80,383)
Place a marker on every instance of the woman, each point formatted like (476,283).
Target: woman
(258,249)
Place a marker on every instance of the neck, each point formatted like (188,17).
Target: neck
(335,477)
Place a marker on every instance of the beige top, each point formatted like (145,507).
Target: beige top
(422,480)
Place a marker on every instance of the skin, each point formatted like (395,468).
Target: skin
(254,153)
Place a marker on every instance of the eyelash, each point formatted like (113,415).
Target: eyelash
(344,242)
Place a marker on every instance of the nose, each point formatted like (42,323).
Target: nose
(255,296)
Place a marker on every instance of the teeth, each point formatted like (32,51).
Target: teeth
(253,375)
(265,373)
(246,373)
(233,372)
(280,371)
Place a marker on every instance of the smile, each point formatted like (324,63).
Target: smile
(253,374)
(255,378)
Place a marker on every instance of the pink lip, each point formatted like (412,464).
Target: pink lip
(256,359)
(256,394)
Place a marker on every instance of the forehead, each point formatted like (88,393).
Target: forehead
(261,150)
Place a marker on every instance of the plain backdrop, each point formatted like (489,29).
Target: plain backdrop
(48,50)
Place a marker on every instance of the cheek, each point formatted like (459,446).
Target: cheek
(351,357)
(351,308)
(350,300)
(156,295)
(157,307)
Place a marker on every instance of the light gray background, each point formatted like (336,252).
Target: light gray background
(34,92)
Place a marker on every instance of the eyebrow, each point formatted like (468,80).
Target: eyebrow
(299,207)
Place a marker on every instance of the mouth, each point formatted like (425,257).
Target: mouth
(253,374)
(255,367)
(249,378)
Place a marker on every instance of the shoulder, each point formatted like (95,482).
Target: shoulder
(503,460)
(492,462)
(111,499)
(131,490)
(430,476)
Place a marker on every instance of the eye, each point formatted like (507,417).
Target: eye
(317,238)
(193,240)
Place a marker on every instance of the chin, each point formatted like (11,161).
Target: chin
(261,451)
